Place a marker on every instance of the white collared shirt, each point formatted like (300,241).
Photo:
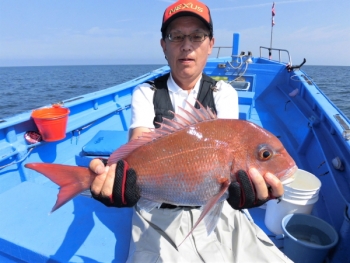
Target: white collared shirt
(142,108)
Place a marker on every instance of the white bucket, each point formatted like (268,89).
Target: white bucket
(275,212)
(303,183)
(299,197)
(292,196)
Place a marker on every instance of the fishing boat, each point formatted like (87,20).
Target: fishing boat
(273,93)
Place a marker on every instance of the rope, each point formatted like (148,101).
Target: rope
(301,78)
(15,162)
(238,67)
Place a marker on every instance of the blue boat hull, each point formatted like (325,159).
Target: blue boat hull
(287,103)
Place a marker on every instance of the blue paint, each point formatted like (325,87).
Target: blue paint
(82,227)
(105,142)
(235,44)
(85,231)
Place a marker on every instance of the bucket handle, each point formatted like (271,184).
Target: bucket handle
(59,104)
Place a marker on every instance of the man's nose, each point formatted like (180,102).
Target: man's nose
(186,43)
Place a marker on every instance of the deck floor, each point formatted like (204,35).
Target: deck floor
(81,227)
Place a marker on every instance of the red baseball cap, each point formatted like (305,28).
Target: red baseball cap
(187,8)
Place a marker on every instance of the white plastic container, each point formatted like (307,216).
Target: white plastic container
(303,183)
(299,197)
(275,212)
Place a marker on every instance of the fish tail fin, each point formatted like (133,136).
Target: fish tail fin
(211,211)
(71,179)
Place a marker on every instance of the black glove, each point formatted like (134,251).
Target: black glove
(242,193)
(126,192)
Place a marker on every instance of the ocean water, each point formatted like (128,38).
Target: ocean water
(334,81)
(26,88)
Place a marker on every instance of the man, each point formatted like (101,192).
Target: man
(187,40)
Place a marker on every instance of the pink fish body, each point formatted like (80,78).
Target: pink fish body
(188,167)
(189,161)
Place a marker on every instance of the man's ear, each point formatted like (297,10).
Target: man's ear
(163,44)
(211,45)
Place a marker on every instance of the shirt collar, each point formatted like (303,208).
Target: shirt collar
(173,87)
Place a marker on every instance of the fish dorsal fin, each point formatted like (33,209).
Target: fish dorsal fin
(180,121)
(129,147)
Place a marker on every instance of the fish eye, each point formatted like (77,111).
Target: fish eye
(265,153)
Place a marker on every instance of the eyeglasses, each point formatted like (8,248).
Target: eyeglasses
(194,37)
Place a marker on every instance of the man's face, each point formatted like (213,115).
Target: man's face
(187,59)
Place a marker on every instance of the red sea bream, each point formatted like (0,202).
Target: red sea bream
(188,161)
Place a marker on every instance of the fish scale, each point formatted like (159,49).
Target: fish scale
(189,156)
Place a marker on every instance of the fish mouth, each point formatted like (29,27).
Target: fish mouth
(286,176)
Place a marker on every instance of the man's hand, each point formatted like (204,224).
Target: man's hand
(251,190)
(114,185)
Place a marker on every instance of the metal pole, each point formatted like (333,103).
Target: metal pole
(235,44)
(272,23)
(270,55)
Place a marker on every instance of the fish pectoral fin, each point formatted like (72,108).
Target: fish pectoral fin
(211,209)
(147,205)
(211,219)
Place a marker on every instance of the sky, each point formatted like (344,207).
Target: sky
(111,32)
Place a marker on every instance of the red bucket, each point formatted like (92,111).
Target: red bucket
(51,122)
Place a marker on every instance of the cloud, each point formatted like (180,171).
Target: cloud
(320,46)
(96,43)
(103,32)
(167,1)
(330,33)
(260,5)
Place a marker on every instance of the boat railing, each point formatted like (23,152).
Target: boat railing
(279,53)
(219,49)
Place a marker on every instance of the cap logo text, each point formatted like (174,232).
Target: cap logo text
(186,6)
